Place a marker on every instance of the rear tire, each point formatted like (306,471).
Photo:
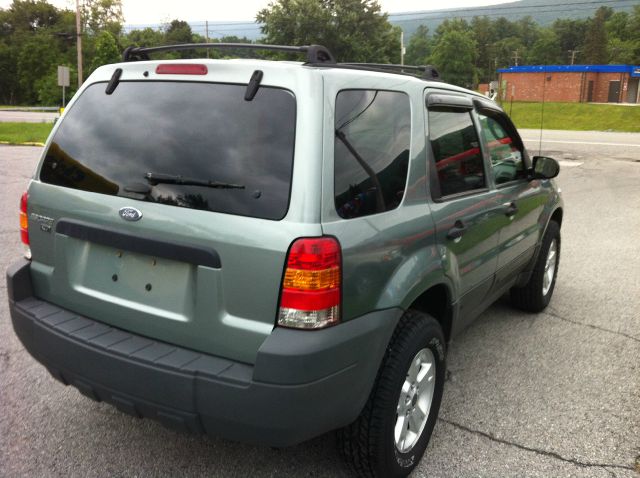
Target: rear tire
(536,294)
(373,445)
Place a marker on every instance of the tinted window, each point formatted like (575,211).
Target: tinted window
(504,148)
(456,152)
(199,131)
(373,133)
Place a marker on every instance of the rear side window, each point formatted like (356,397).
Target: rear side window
(504,147)
(371,154)
(204,146)
(457,158)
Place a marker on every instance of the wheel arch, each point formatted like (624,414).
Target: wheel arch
(556,216)
(437,302)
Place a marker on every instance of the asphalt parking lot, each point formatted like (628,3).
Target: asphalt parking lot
(550,395)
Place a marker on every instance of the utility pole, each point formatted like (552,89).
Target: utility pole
(79,42)
(516,57)
(573,55)
(206,34)
(402,50)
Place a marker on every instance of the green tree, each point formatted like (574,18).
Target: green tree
(545,50)
(35,37)
(618,26)
(354,30)
(419,47)
(571,34)
(30,16)
(485,58)
(146,37)
(48,91)
(595,44)
(634,22)
(8,76)
(35,59)
(623,51)
(634,29)
(505,51)
(503,28)
(457,24)
(99,15)
(528,31)
(106,50)
(454,56)
(176,32)
(623,44)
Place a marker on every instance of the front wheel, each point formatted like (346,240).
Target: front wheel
(391,434)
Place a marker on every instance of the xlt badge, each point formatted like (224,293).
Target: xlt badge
(44,221)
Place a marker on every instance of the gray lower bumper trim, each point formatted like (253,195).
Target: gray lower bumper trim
(301,386)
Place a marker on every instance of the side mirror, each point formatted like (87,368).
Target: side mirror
(544,168)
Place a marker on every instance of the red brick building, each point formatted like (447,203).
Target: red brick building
(571,83)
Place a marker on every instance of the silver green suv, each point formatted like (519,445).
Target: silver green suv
(270,250)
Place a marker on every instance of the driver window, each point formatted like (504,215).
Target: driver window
(504,149)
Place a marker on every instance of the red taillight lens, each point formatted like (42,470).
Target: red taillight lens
(24,220)
(311,292)
(186,69)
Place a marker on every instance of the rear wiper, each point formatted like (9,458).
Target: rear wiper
(155,178)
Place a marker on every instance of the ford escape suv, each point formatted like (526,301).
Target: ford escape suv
(270,250)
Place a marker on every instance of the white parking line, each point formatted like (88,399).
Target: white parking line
(570,164)
(582,142)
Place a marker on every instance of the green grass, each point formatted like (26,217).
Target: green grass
(17,133)
(576,116)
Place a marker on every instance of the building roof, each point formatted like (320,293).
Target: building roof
(631,69)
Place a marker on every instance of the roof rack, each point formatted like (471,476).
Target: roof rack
(315,53)
(428,72)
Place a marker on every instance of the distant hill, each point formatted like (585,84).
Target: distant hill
(544,12)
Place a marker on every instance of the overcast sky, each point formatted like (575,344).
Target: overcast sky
(159,11)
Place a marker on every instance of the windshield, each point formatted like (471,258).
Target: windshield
(207,131)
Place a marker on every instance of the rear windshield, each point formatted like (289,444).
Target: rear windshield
(146,138)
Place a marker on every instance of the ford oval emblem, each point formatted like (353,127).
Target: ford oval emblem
(130,214)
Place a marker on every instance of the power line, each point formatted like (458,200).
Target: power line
(193,26)
(535,11)
(512,7)
(202,23)
(426,16)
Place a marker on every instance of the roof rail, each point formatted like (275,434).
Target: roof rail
(427,72)
(315,53)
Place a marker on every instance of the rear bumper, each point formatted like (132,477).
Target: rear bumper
(302,385)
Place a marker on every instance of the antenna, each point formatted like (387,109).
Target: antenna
(544,87)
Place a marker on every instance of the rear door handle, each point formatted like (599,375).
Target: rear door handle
(511,209)
(457,230)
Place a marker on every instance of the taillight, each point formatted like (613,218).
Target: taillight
(24,225)
(181,69)
(311,290)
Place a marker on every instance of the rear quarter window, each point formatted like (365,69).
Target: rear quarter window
(371,152)
(206,132)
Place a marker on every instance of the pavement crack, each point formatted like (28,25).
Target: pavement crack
(547,453)
(596,327)
(5,355)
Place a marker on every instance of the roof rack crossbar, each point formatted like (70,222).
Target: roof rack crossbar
(428,71)
(315,53)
